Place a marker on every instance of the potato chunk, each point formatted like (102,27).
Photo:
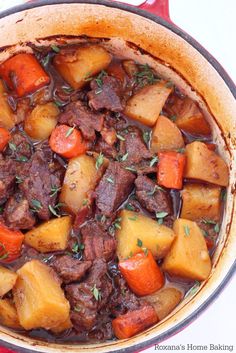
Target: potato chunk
(188,257)
(80,178)
(204,164)
(164,300)
(7,117)
(39,299)
(200,202)
(140,231)
(63,326)
(50,236)
(75,65)
(166,136)
(7,280)
(189,116)
(145,105)
(41,121)
(8,314)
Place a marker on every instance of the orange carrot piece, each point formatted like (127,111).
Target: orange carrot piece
(133,322)
(170,169)
(4,138)
(142,273)
(24,74)
(10,244)
(67,141)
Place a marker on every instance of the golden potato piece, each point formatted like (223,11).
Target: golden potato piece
(76,65)
(204,164)
(137,228)
(200,202)
(7,117)
(8,314)
(50,236)
(164,300)
(80,178)
(63,326)
(145,105)
(188,256)
(166,136)
(41,121)
(39,299)
(7,280)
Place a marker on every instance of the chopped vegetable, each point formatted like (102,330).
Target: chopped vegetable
(205,165)
(166,136)
(40,123)
(23,74)
(145,105)
(155,237)
(133,322)
(4,138)
(46,237)
(10,243)
(7,280)
(164,300)
(142,273)
(68,146)
(200,201)
(7,117)
(188,257)
(170,169)
(39,299)
(80,65)
(8,314)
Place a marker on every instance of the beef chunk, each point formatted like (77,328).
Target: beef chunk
(7,178)
(151,197)
(103,147)
(70,269)
(114,187)
(134,145)
(19,148)
(17,214)
(107,95)
(97,243)
(42,174)
(77,114)
(89,297)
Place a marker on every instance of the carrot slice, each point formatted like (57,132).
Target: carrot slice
(133,322)
(67,141)
(24,74)
(170,169)
(142,273)
(4,138)
(10,243)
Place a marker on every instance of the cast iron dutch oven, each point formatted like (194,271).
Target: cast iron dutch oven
(148,37)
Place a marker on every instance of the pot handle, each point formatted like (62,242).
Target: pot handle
(157,7)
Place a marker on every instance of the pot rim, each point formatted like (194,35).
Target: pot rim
(232,87)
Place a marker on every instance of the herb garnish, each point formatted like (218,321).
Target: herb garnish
(117,223)
(124,157)
(223,195)
(45,60)
(19,180)
(134,218)
(67,89)
(194,289)
(99,160)
(77,247)
(12,146)
(54,210)
(208,221)
(36,205)
(146,136)
(70,131)
(85,202)
(129,207)
(3,252)
(186,230)
(153,161)
(77,309)
(22,159)
(145,76)
(58,103)
(54,190)
(156,187)
(131,169)
(55,48)
(180,150)
(120,137)
(96,293)
(110,180)
(160,216)
(217,228)
(139,243)
(173,118)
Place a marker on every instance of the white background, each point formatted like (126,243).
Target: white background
(213,24)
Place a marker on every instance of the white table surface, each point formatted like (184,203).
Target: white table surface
(213,24)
